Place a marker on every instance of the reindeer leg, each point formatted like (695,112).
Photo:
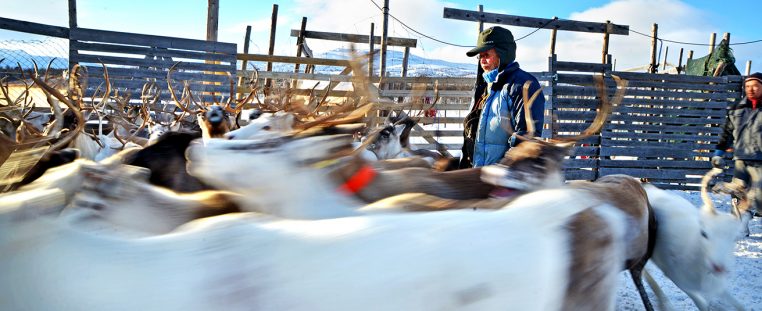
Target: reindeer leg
(727,297)
(700,302)
(664,304)
(637,277)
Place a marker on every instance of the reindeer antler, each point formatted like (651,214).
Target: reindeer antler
(604,109)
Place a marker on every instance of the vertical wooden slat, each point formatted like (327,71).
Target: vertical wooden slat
(384,34)
(244,62)
(72,14)
(748,67)
(605,42)
(666,53)
(271,49)
(553,34)
(654,36)
(212,20)
(371,51)
(680,62)
(300,41)
(712,38)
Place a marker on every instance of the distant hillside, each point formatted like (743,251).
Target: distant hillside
(11,57)
(417,66)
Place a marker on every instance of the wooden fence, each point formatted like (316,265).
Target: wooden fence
(664,130)
(134,59)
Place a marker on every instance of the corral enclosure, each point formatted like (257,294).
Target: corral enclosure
(664,130)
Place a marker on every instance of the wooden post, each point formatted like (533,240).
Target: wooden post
(212,20)
(680,62)
(271,49)
(299,42)
(553,33)
(748,67)
(690,57)
(711,42)
(654,36)
(371,50)
(244,62)
(479,69)
(384,34)
(606,42)
(72,14)
(664,64)
(405,58)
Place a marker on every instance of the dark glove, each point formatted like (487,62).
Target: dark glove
(718,162)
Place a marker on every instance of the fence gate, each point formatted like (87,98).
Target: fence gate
(664,130)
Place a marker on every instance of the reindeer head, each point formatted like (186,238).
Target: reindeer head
(385,143)
(718,231)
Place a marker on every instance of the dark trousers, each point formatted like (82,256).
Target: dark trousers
(750,173)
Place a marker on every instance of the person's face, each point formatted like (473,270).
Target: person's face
(753,89)
(489,60)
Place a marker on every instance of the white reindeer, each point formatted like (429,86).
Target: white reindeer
(694,246)
(411,261)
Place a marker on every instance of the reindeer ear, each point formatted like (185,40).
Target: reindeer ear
(398,129)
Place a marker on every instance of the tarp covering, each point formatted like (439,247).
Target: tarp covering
(707,65)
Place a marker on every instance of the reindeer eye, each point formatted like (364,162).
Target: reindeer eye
(266,127)
(703,234)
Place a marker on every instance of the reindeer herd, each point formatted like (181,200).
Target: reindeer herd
(197,206)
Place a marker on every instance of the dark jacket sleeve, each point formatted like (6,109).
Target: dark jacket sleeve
(726,137)
(537,109)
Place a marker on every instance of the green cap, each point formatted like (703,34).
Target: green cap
(500,39)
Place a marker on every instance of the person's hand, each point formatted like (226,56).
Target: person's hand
(718,162)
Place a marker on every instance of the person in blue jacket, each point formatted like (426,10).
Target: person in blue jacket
(498,101)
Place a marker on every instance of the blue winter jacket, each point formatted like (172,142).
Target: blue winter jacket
(504,103)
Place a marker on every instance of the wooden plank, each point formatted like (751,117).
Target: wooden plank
(566,90)
(658,136)
(33,28)
(563,102)
(645,173)
(126,61)
(138,84)
(523,21)
(585,67)
(680,115)
(655,164)
(580,175)
(293,60)
(652,152)
(587,79)
(345,37)
(440,106)
(658,144)
(676,78)
(84,34)
(434,147)
(161,75)
(580,163)
(150,51)
(428,93)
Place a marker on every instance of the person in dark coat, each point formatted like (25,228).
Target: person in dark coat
(743,133)
(498,101)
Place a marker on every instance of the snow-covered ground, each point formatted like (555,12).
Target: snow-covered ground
(746,283)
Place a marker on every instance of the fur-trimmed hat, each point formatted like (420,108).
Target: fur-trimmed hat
(500,39)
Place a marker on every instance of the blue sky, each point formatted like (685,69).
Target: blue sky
(685,21)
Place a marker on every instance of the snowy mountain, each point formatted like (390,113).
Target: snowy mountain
(10,58)
(417,65)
